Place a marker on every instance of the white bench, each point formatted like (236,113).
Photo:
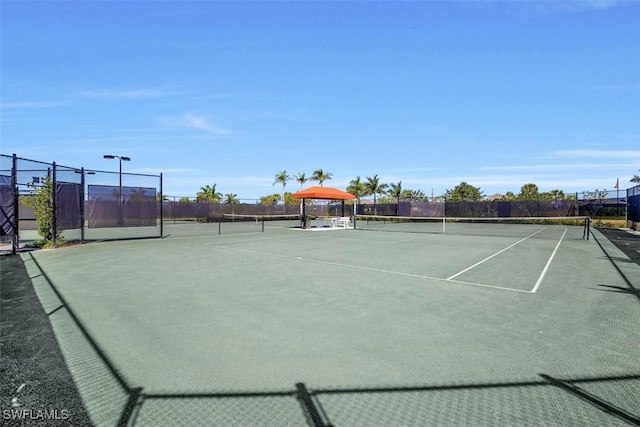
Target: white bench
(343,222)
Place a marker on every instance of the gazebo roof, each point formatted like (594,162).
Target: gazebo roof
(324,193)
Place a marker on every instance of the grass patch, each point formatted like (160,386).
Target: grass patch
(609,222)
(45,244)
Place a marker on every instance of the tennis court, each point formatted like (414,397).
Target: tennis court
(533,326)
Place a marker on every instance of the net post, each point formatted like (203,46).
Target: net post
(587,226)
(262,220)
(219,226)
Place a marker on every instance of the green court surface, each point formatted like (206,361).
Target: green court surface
(385,328)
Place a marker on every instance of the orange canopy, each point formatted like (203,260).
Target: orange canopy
(325,193)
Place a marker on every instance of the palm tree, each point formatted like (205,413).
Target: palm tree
(396,192)
(320,176)
(282,178)
(301,178)
(374,187)
(231,199)
(357,188)
(529,192)
(635,179)
(208,194)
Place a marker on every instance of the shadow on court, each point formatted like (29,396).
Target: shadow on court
(630,245)
(37,387)
(111,399)
(620,289)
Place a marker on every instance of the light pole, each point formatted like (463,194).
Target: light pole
(120,201)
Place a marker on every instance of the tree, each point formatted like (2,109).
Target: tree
(231,199)
(289,200)
(141,196)
(282,178)
(184,200)
(374,187)
(595,195)
(529,192)
(208,194)
(320,176)
(554,194)
(395,191)
(464,192)
(271,199)
(414,196)
(43,207)
(635,179)
(301,178)
(357,188)
(509,196)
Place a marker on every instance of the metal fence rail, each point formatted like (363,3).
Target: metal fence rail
(71,213)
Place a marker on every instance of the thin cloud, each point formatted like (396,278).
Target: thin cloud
(30,105)
(195,122)
(133,94)
(550,6)
(556,167)
(599,154)
(599,4)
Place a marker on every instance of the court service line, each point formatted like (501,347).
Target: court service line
(376,270)
(494,255)
(546,267)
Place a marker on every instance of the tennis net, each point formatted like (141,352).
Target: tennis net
(573,227)
(260,222)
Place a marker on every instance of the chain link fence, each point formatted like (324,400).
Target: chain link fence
(40,200)
(633,208)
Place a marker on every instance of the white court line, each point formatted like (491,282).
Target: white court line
(546,267)
(376,270)
(494,255)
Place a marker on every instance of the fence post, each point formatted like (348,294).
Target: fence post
(82,205)
(54,206)
(161,203)
(15,239)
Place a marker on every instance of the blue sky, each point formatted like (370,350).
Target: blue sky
(497,94)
